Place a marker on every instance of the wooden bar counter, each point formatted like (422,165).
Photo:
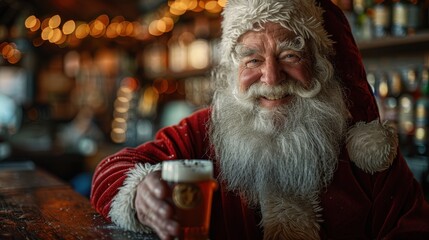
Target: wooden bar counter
(36,205)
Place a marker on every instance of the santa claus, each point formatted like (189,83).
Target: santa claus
(294,134)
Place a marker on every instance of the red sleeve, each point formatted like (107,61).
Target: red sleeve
(186,140)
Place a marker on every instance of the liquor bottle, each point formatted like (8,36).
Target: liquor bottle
(389,90)
(411,81)
(415,16)
(399,18)
(362,19)
(382,21)
(406,124)
(421,136)
(424,82)
(396,85)
(368,20)
(359,16)
(401,104)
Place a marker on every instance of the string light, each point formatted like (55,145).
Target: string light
(10,52)
(54,30)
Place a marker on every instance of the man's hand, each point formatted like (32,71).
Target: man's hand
(152,207)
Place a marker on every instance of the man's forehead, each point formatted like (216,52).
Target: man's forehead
(274,30)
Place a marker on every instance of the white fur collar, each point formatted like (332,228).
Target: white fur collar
(291,218)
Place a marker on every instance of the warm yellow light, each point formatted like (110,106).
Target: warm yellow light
(111,30)
(120,29)
(161,26)
(55,21)
(121,110)
(46,33)
(122,103)
(97,28)
(104,19)
(82,31)
(192,4)
(125,91)
(169,23)
(213,7)
(6,50)
(55,35)
(383,89)
(36,26)
(221,3)
(178,8)
(119,123)
(129,28)
(199,52)
(118,135)
(420,133)
(202,4)
(118,130)
(31,21)
(69,27)
(118,19)
(62,40)
(148,102)
(120,115)
(153,28)
(15,57)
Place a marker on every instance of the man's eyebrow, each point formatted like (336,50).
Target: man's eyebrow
(296,44)
(244,51)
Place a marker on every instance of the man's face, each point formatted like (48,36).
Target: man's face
(272,57)
(276,130)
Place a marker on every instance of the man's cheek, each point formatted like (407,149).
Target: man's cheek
(247,77)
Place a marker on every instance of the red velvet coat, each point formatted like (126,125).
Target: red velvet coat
(356,205)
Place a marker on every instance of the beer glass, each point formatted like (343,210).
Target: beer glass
(192,186)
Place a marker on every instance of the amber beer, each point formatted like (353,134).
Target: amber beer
(192,186)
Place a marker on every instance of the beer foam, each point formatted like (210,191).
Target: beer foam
(190,170)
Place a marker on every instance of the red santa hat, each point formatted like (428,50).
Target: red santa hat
(371,145)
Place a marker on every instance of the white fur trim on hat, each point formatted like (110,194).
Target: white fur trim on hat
(122,211)
(303,17)
(372,146)
(291,218)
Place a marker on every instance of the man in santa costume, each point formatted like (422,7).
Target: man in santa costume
(294,134)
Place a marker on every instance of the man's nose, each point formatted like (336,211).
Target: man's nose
(272,73)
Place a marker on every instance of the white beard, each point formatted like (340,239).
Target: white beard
(280,159)
(288,151)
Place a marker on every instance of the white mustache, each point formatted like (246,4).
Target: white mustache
(258,90)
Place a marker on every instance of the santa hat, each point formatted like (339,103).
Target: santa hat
(371,145)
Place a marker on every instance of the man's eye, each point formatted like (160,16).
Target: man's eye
(252,63)
(290,58)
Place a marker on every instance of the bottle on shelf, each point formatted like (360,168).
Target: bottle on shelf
(400,18)
(388,90)
(414,16)
(421,136)
(406,122)
(362,19)
(381,18)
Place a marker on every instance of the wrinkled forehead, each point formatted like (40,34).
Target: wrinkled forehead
(269,29)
